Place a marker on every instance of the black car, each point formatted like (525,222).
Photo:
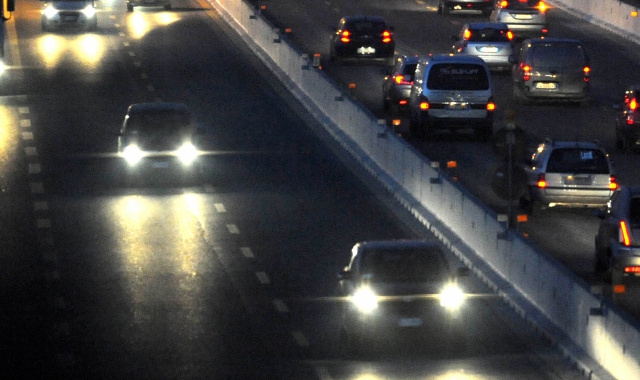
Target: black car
(400,289)
(445,7)
(360,38)
(157,138)
(396,86)
(628,120)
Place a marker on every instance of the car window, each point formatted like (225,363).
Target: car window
(365,27)
(558,55)
(457,76)
(488,35)
(521,4)
(576,160)
(634,212)
(158,122)
(409,69)
(406,265)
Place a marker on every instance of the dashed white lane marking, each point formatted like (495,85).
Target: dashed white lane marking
(34,168)
(36,187)
(25,123)
(247,252)
(31,151)
(280,306)
(233,229)
(300,338)
(132,54)
(27,135)
(220,207)
(116,25)
(43,223)
(40,206)
(323,373)
(121,34)
(263,278)
(23,110)
(126,43)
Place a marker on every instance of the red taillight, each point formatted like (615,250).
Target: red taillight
(467,34)
(542,182)
(633,104)
(632,269)
(403,102)
(386,36)
(629,120)
(491,106)
(509,35)
(345,36)
(424,105)
(399,79)
(544,32)
(587,71)
(623,236)
(542,7)
(504,3)
(613,185)
(526,71)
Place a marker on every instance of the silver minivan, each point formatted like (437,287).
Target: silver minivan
(451,92)
(551,69)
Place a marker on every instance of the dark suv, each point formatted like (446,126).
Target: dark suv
(445,7)
(570,174)
(396,86)
(618,238)
(628,120)
(400,286)
(359,38)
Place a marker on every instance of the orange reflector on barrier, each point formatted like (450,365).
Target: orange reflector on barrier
(396,122)
(352,85)
(452,164)
(619,288)
(523,218)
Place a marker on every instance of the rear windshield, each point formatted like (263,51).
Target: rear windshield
(457,76)
(403,265)
(634,212)
(575,160)
(488,35)
(558,55)
(410,69)
(365,27)
(522,4)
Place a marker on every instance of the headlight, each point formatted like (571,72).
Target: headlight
(132,154)
(49,11)
(365,300)
(187,153)
(89,11)
(451,297)
(2,68)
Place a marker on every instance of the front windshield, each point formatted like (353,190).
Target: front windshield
(158,123)
(403,265)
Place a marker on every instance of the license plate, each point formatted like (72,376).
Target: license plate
(409,322)
(546,85)
(366,50)
(488,49)
(457,106)
(522,17)
(582,181)
(160,165)
(70,18)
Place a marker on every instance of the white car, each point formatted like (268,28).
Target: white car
(77,14)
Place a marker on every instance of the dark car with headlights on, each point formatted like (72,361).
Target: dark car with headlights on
(400,288)
(72,14)
(156,140)
(628,120)
(446,7)
(525,18)
(363,38)
(396,86)
(491,41)
(569,174)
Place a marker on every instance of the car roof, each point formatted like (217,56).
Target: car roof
(573,144)
(485,25)
(398,244)
(364,18)
(459,58)
(157,106)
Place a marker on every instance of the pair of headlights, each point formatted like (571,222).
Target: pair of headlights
(451,297)
(49,11)
(187,153)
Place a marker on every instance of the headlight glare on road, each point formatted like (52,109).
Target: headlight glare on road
(187,153)
(451,297)
(89,11)
(365,300)
(49,11)
(132,154)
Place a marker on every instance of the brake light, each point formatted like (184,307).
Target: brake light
(633,104)
(345,36)
(632,269)
(386,36)
(509,35)
(491,106)
(399,79)
(526,71)
(542,182)
(403,102)
(504,3)
(613,185)
(587,71)
(424,105)
(467,34)
(624,237)
(542,6)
